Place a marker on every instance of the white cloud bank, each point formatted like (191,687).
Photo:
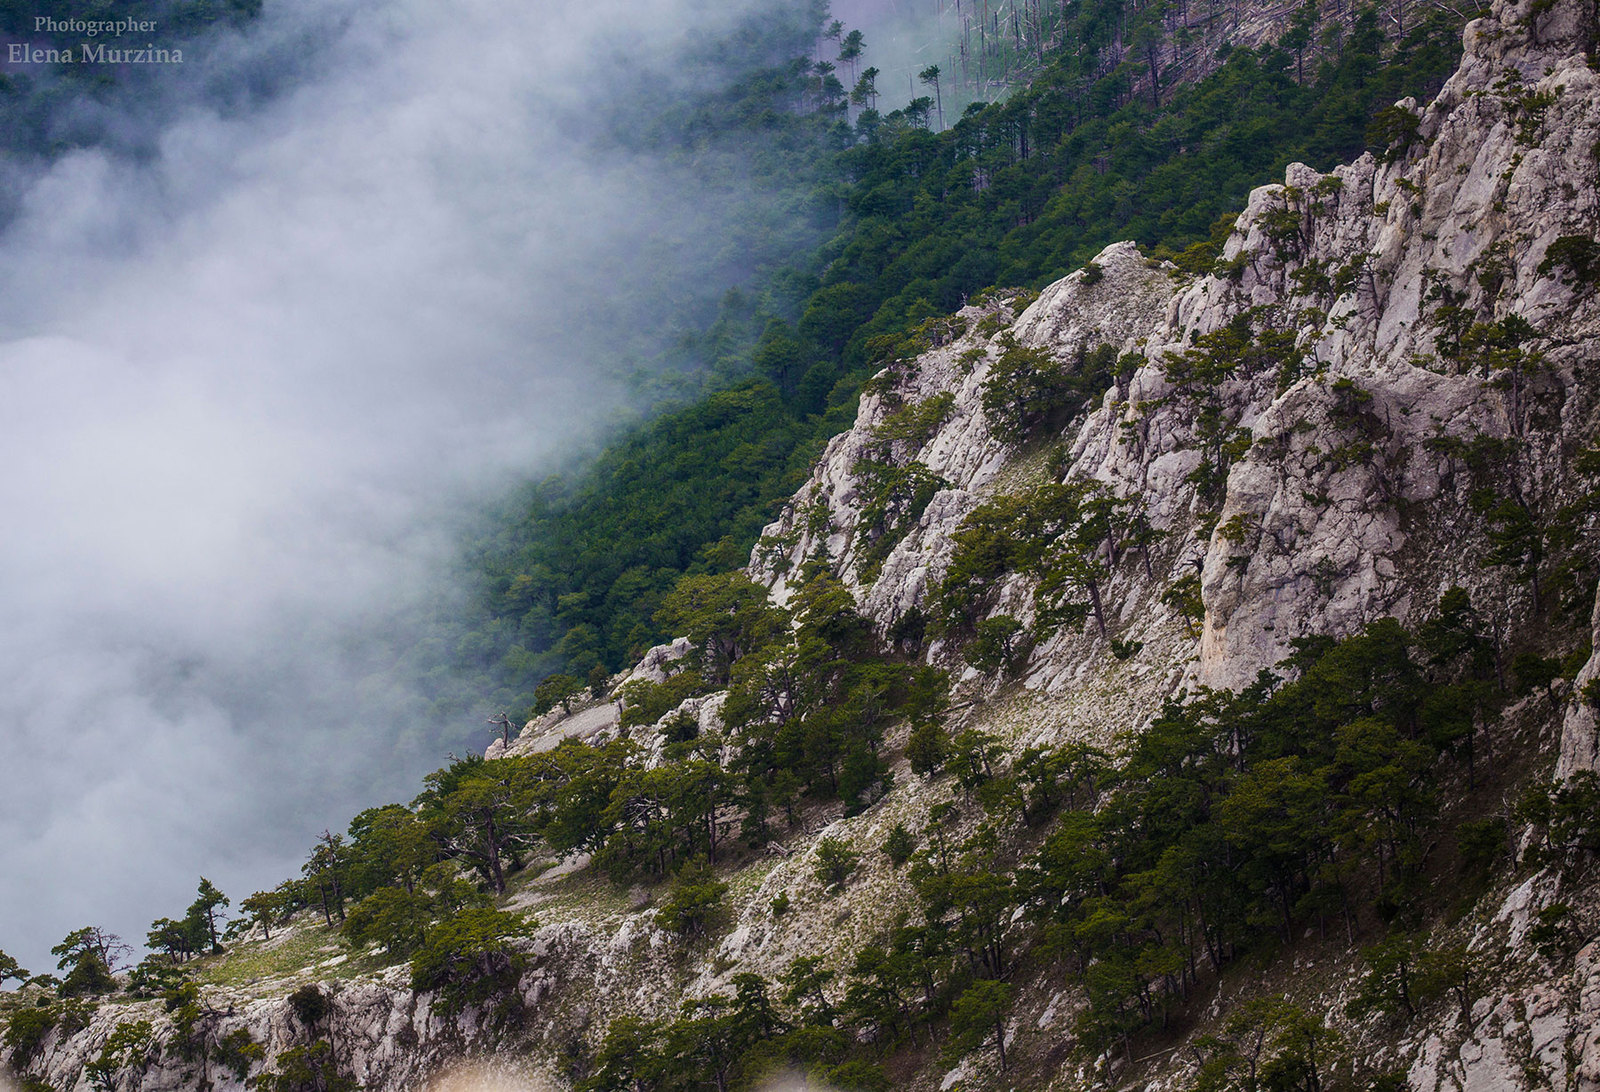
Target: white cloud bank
(246,384)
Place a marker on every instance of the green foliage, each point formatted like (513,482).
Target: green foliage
(1026,390)
(717,1042)
(1391,133)
(899,845)
(192,1019)
(1266,1043)
(389,845)
(979,1014)
(927,748)
(1183,596)
(309,1068)
(913,425)
(205,913)
(89,956)
(1069,537)
(26,1029)
(557,689)
(1404,975)
(893,499)
(858,1075)
(268,908)
(1577,257)
(1548,547)
(1534,672)
(1565,821)
(156,976)
(132,1046)
(645,702)
(1236,351)
(1389,985)
(309,1005)
(724,617)
(470,958)
(1482,844)
(813,704)
(10,968)
(694,904)
(1030,392)
(1553,932)
(477,813)
(835,863)
(1307,796)
(993,646)
(177,940)
(1016,192)
(238,1051)
(391,917)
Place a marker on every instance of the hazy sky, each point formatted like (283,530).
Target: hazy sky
(242,387)
(249,384)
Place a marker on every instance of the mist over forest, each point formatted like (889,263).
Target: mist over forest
(274,328)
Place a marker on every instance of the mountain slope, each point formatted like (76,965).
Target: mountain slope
(1383,391)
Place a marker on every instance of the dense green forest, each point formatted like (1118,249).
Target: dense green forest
(1014,193)
(1310,804)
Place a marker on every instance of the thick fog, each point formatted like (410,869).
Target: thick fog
(252,381)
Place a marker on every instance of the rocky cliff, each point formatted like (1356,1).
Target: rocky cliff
(1413,314)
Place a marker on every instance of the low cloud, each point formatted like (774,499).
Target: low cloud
(251,384)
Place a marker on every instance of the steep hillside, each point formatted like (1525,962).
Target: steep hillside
(1356,453)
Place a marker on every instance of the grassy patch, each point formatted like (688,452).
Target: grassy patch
(302,954)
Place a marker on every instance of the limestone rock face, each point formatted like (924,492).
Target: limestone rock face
(1580,733)
(1346,504)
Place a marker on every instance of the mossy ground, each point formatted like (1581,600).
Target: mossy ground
(306,950)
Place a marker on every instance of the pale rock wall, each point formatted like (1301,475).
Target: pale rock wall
(1580,732)
(1334,545)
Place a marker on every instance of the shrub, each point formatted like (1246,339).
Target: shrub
(311,1068)
(238,1051)
(557,689)
(836,862)
(154,976)
(131,1046)
(310,1005)
(1392,132)
(26,1030)
(1534,672)
(916,423)
(469,958)
(859,1076)
(695,903)
(1482,843)
(1029,390)
(645,702)
(899,845)
(396,919)
(994,649)
(1578,259)
(927,748)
